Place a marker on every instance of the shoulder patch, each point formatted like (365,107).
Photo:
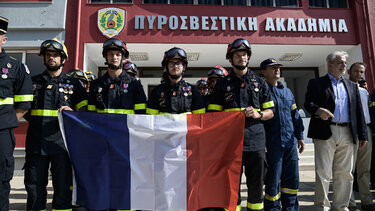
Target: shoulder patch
(27,69)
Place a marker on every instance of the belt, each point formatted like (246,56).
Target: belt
(341,124)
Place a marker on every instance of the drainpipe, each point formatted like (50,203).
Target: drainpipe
(78,37)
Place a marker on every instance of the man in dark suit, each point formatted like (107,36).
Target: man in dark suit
(337,122)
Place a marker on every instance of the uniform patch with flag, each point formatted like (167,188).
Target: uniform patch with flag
(155,162)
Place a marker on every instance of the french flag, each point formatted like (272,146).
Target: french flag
(154,162)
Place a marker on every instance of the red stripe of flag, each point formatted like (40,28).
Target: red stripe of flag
(214,154)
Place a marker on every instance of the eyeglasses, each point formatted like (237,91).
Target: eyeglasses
(237,43)
(56,45)
(172,64)
(115,42)
(173,51)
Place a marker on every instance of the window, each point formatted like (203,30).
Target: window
(275,3)
(31,59)
(329,3)
(267,3)
(111,1)
(168,1)
(210,2)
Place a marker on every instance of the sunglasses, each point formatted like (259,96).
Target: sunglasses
(175,51)
(116,42)
(56,45)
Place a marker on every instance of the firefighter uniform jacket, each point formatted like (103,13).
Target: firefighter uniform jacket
(286,124)
(178,98)
(235,94)
(50,93)
(123,95)
(15,90)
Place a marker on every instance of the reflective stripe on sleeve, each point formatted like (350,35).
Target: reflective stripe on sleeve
(294,107)
(23,98)
(268,104)
(61,209)
(199,111)
(372,104)
(115,111)
(152,111)
(81,104)
(44,112)
(140,106)
(215,107)
(91,108)
(272,198)
(6,101)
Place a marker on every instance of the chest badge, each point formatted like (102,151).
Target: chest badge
(9,65)
(112,86)
(255,84)
(49,86)
(126,88)
(5,73)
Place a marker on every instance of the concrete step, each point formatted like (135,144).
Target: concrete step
(306,159)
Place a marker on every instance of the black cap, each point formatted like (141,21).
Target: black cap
(3,25)
(269,62)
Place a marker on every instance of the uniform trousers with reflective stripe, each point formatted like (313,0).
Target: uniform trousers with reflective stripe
(282,164)
(7,143)
(363,165)
(334,159)
(36,181)
(254,163)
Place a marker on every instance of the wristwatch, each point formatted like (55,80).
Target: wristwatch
(261,115)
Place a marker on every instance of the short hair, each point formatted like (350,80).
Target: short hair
(357,63)
(332,56)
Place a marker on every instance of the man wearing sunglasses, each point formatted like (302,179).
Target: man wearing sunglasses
(116,91)
(174,95)
(244,91)
(53,91)
(15,100)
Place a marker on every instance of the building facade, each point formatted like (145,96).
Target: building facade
(299,33)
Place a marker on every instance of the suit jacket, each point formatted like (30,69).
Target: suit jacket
(320,94)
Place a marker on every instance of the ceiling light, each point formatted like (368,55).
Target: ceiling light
(138,56)
(290,57)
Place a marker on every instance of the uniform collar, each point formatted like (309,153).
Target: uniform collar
(59,78)
(108,80)
(2,54)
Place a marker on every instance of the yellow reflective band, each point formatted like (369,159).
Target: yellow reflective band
(6,101)
(238,208)
(268,104)
(71,187)
(233,109)
(257,109)
(44,210)
(255,206)
(199,111)
(91,108)
(44,112)
(272,198)
(140,106)
(152,111)
(81,104)
(215,107)
(164,113)
(294,106)
(62,210)
(23,98)
(115,111)
(289,191)
(372,104)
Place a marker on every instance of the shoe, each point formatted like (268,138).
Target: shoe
(369,207)
(353,208)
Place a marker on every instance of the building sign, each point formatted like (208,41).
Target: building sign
(111,21)
(225,23)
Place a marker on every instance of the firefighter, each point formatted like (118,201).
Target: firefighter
(245,91)
(214,75)
(116,91)
(284,134)
(84,77)
(174,95)
(202,86)
(53,91)
(15,100)
(130,68)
